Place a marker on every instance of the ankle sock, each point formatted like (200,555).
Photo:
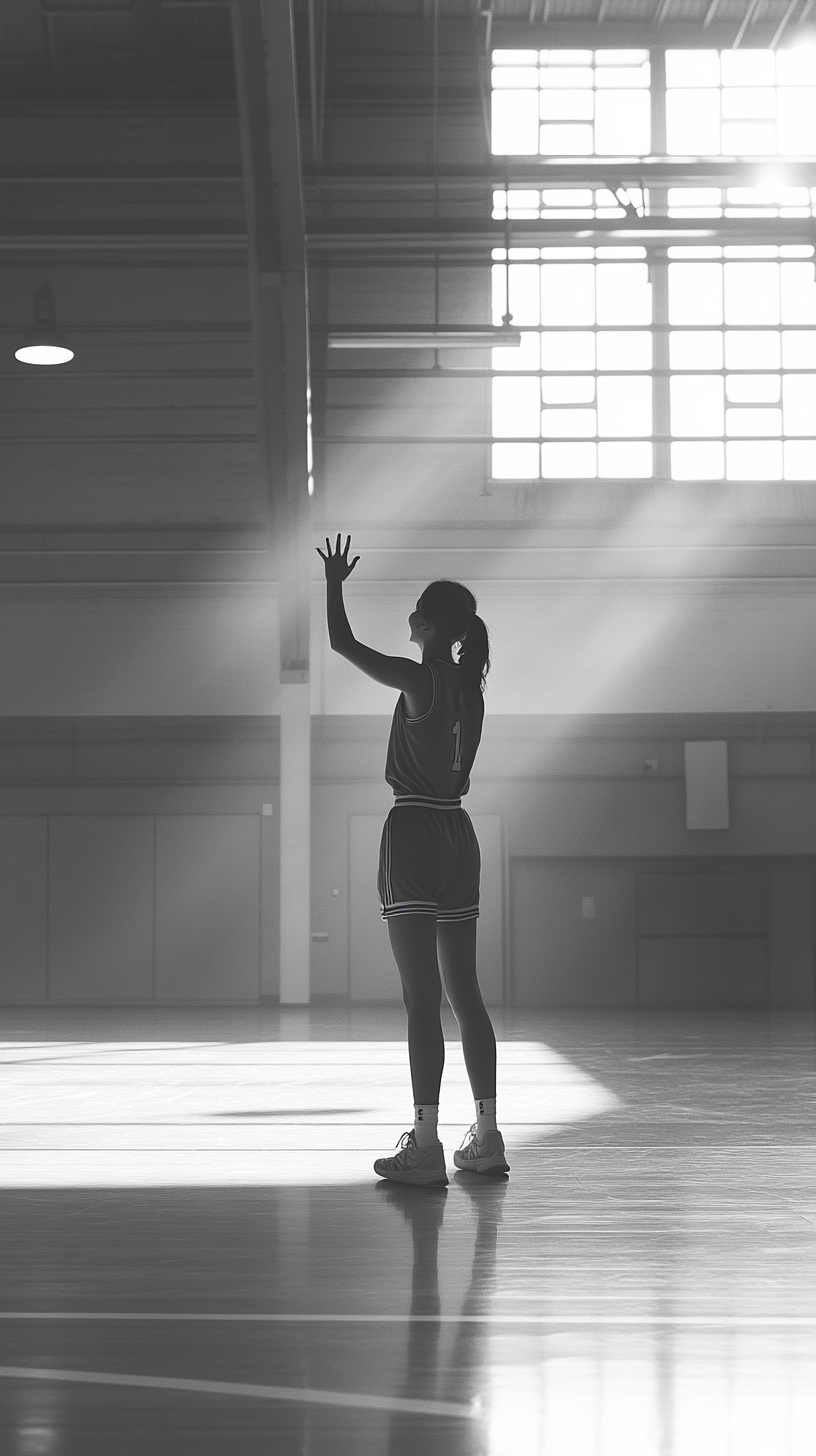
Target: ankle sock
(426,1117)
(485,1116)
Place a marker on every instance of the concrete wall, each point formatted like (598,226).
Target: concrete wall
(139,864)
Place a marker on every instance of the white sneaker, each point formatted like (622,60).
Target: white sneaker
(424,1166)
(486,1156)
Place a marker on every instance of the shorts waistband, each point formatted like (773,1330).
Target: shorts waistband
(425,802)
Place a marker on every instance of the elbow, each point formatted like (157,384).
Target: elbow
(342,645)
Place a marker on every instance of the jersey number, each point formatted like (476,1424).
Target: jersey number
(456,730)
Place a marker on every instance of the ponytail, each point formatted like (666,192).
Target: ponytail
(474,659)
(451,607)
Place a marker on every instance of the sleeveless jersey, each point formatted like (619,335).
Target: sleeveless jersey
(433,755)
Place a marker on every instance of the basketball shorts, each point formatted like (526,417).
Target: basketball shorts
(429,861)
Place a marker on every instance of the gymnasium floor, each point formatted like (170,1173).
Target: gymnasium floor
(197,1258)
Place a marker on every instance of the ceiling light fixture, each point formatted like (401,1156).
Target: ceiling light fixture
(426,336)
(44,343)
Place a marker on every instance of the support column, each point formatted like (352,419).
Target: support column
(265,70)
(295,831)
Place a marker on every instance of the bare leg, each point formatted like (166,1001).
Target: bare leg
(413,941)
(456,945)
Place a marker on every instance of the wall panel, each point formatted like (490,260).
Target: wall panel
(573,934)
(23,908)
(101,909)
(207,908)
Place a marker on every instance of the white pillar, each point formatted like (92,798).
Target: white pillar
(295,841)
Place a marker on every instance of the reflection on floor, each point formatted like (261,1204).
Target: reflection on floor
(197,1257)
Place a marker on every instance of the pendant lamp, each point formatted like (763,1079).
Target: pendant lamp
(44,343)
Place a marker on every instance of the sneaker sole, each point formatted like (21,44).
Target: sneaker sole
(482,1165)
(417,1177)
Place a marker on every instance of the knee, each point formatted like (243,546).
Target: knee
(422,1000)
(467,1005)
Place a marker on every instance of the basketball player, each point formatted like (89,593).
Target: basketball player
(428,878)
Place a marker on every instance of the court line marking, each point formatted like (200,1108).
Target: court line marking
(694,1321)
(303,1395)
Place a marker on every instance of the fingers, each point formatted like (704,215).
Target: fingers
(331,556)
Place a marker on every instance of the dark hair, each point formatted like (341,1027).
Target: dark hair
(451,608)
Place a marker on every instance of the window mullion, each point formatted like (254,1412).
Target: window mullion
(659,275)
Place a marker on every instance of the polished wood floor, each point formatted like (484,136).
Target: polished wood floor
(197,1258)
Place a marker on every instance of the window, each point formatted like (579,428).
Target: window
(693,362)
(741,103)
(742,351)
(571,103)
(583,405)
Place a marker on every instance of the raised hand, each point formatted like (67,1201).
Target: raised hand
(337,565)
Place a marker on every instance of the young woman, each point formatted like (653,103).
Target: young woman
(429,859)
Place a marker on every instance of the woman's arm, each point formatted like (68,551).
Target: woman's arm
(395,672)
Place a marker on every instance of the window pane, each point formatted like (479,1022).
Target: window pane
(515,77)
(692,123)
(567,197)
(749,102)
(560,389)
(753,388)
(526,356)
(695,351)
(748,138)
(796,67)
(577,77)
(515,462)
(515,123)
(799,399)
(523,203)
(749,349)
(696,405)
(753,422)
(565,58)
(567,106)
(568,423)
(694,197)
(799,350)
(800,460)
(568,293)
(752,293)
(515,58)
(625,458)
(623,78)
(692,68)
(748,68)
(516,405)
(567,351)
(569,461)
(797,121)
(624,293)
(610,57)
(798,293)
(697,460)
(624,351)
(695,293)
(622,123)
(572,141)
(753,460)
(624,406)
